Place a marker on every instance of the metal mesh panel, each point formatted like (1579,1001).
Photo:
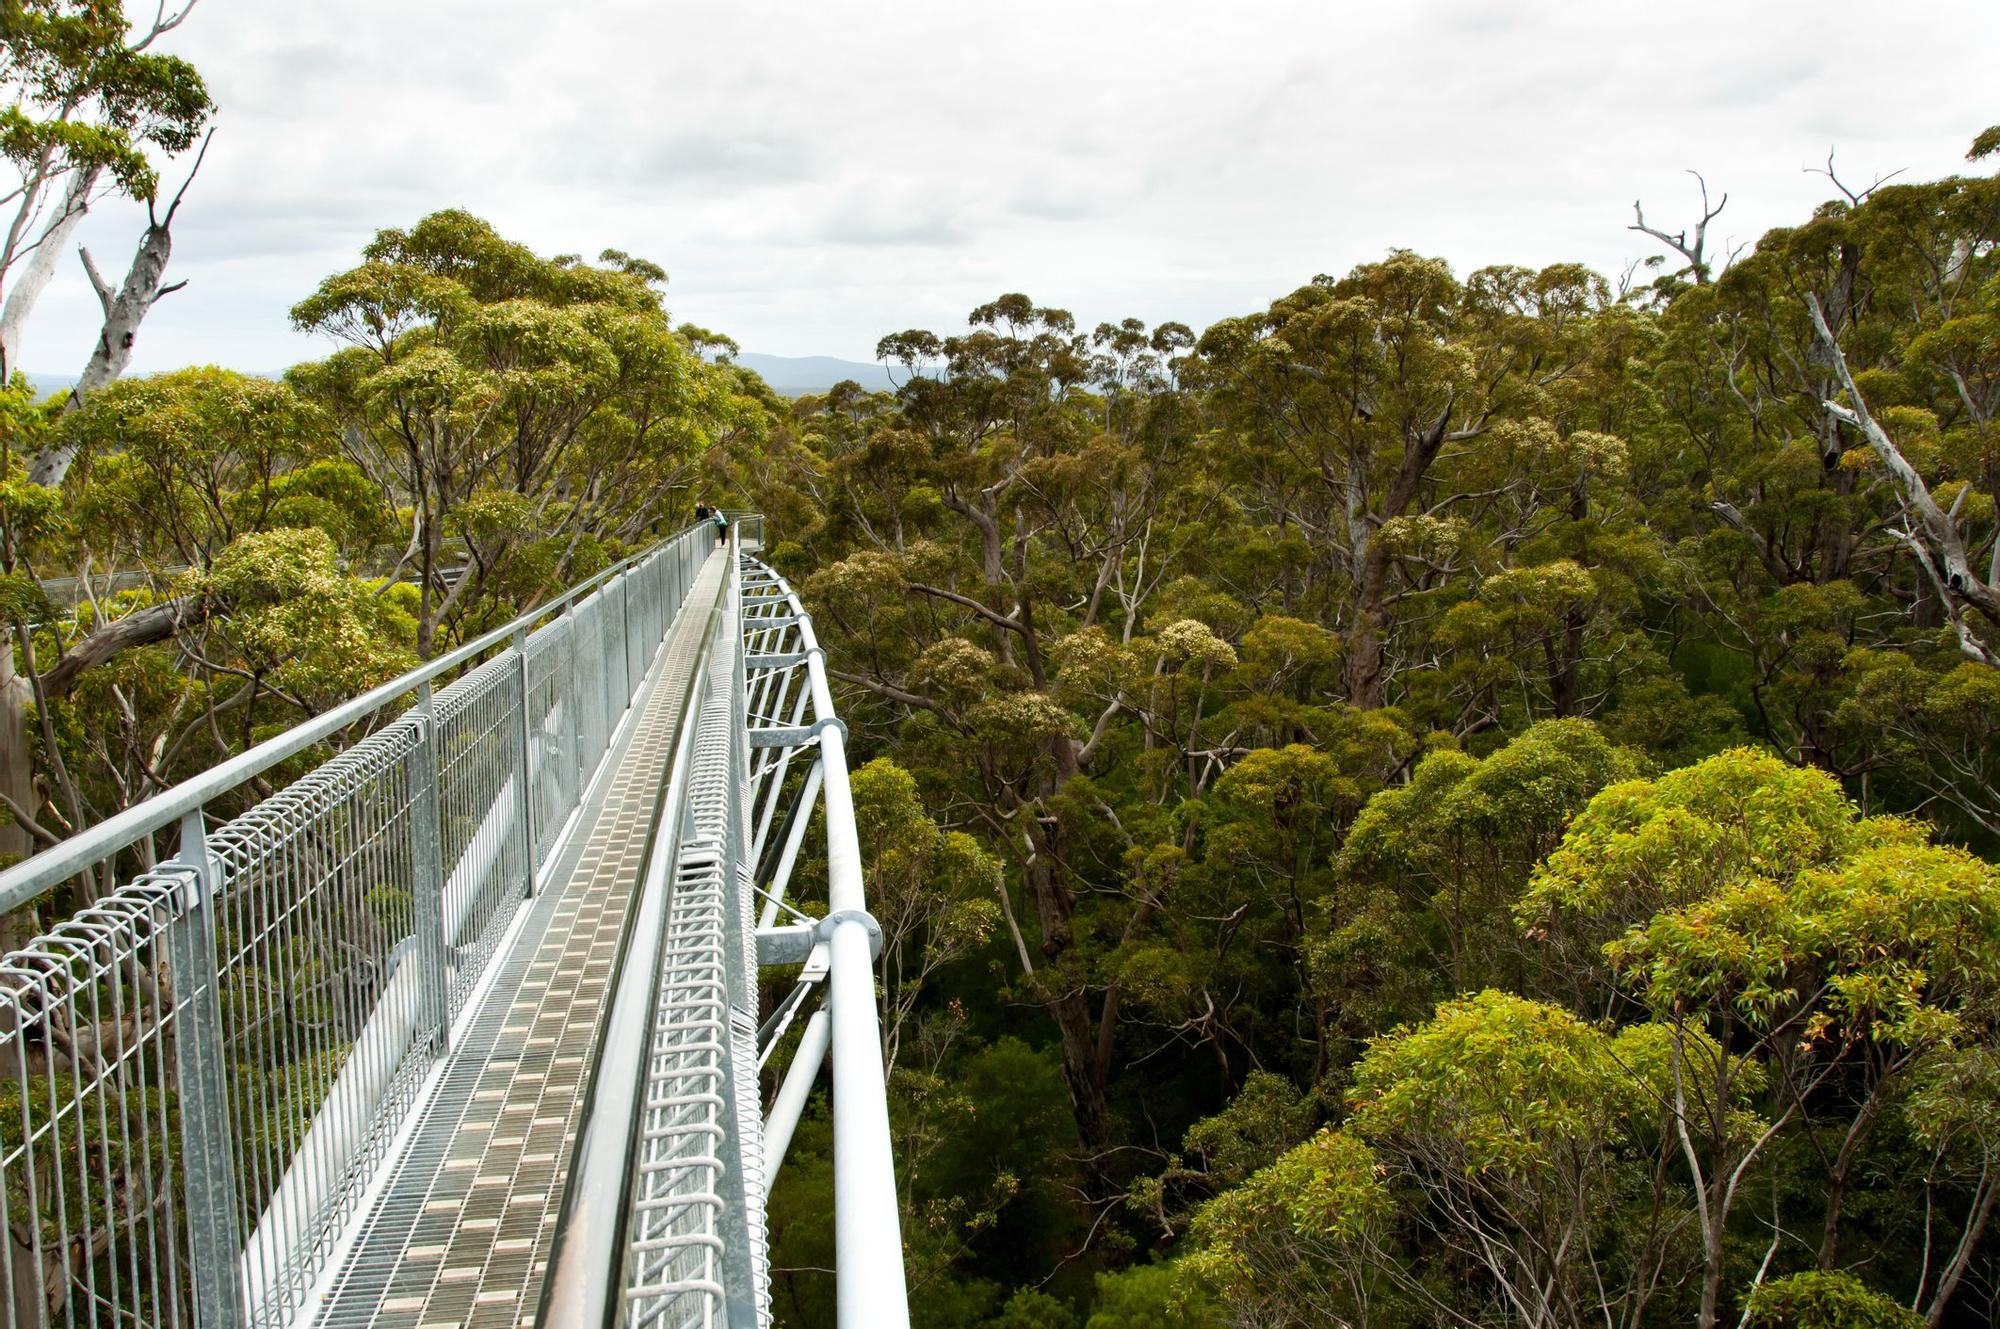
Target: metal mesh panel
(327,1013)
(198,1074)
(677,1220)
(482,830)
(587,684)
(551,732)
(90,1168)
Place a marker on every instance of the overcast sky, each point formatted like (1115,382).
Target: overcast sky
(818,173)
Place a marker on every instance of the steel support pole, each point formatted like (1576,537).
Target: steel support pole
(795,836)
(427,878)
(574,700)
(524,762)
(793,1093)
(208,1167)
(625,679)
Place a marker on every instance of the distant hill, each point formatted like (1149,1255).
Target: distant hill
(796,375)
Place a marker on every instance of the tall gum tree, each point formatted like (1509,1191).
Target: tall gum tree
(1025,512)
(536,412)
(1369,384)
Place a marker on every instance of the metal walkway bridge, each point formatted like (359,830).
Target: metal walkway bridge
(471,1023)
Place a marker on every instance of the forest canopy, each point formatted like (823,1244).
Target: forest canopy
(1452,798)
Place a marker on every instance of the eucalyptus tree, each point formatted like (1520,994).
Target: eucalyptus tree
(87,101)
(1375,388)
(1456,844)
(1500,1165)
(544,413)
(1014,528)
(203,615)
(1797,954)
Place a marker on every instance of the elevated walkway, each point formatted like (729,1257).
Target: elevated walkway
(476,1023)
(458,1227)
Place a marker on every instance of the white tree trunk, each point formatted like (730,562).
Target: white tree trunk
(41,266)
(17,774)
(123,312)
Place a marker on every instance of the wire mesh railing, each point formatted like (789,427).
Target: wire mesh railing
(199,1073)
(696,1248)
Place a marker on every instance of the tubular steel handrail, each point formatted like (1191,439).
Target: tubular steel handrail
(199,1073)
(784,671)
(695,1250)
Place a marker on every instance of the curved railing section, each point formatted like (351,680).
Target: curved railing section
(789,723)
(199,1071)
(663,1224)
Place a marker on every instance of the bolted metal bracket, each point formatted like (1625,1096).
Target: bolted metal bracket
(832,921)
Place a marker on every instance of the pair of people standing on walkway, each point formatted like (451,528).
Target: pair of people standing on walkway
(703,512)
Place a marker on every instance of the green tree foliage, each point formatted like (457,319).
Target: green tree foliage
(1826,1301)
(229,555)
(1488,781)
(536,416)
(1449,799)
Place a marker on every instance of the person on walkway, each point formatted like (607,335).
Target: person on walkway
(701,509)
(721,527)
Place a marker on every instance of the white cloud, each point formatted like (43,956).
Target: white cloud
(814,175)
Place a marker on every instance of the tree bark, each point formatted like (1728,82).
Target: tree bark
(41,266)
(140,628)
(17,772)
(1364,638)
(124,310)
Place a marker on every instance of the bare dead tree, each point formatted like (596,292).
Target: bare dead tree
(1855,198)
(1694,251)
(1930,531)
(124,309)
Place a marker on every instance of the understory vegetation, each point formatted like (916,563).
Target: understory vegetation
(1452,799)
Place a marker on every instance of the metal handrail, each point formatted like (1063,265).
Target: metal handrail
(199,1073)
(868,1251)
(60,862)
(693,1250)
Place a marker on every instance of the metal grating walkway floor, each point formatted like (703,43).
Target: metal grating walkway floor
(460,1233)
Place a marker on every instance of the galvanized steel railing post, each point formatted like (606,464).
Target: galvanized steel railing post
(208,1168)
(626,682)
(524,762)
(427,876)
(573,701)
